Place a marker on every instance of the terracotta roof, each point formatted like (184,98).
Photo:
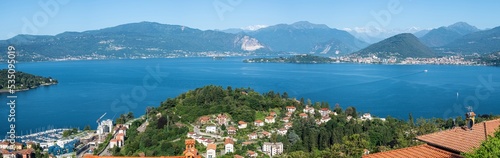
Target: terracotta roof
(420,151)
(228,141)
(5,151)
(303,114)
(4,143)
(242,122)
(462,139)
(250,152)
(204,118)
(290,107)
(231,128)
(258,121)
(324,109)
(26,151)
(238,156)
(211,146)
(269,117)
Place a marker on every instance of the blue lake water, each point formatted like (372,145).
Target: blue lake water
(87,89)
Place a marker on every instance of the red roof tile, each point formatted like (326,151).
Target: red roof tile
(462,139)
(228,141)
(420,151)
(211,146)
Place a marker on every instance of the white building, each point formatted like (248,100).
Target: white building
(106,126)
(272,149)
(211,151)
(309,110)
(229,145)
(282,131)
(366,116)
(258,123)
(211,129)
(242,124)
(269,119)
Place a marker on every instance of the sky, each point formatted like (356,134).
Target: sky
(51,17)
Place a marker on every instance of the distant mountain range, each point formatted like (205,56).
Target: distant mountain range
(446,34)
(482,42)
(150,40)
(401,45)
(129,40)
(305,37)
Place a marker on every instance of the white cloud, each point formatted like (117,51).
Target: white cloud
(254,27)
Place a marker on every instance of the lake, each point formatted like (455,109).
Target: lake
(88,89)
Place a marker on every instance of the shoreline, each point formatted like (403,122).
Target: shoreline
(26,89)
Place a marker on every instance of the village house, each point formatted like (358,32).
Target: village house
(309,110)
(191,134)
(289,114)
(113,143)
(272,149)
(252,154)
(231,130)
(242,124)
(290,109)
(120,136)
(258,123)
(325,119)
(269,119)
(211,129)
(228,145)
(288,125)
(282,131)
(325,111)
(286,119)
(272,113)
(211,150)
(204,119)
(252,136)
(265,134)
(366,116)
(222,119)
(303,115)
(238,156)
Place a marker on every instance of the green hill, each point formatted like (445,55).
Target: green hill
(401,45)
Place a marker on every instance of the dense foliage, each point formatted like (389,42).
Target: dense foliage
(298,59)
(23,80)
(161,137)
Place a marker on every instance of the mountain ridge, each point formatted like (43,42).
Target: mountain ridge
(401,45)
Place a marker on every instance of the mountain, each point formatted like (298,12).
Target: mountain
(305,37)
(401,45)
(374,35)
(421,33)
(444,35)
(144,39)
(487,41)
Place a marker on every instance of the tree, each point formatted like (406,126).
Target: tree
(87,128)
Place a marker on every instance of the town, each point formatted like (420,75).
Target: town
(218,134)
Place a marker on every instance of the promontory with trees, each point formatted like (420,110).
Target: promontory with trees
(23,81)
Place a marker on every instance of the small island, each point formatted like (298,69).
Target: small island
(296,59)
(23,81)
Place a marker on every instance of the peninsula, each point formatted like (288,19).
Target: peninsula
(23,81)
